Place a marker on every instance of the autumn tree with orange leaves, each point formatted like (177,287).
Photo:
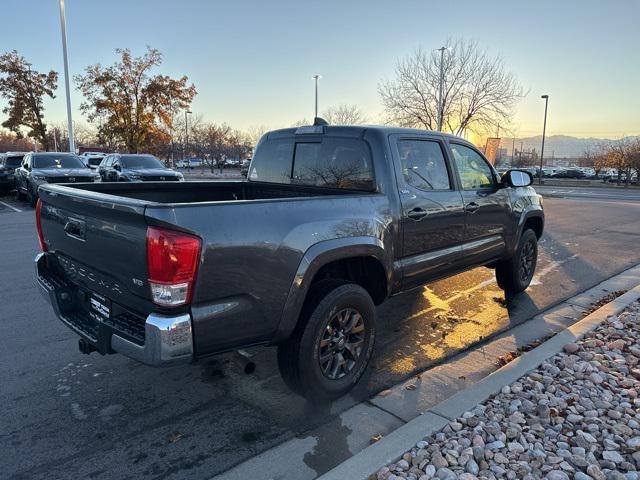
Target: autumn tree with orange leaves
(130,104)
(25,89)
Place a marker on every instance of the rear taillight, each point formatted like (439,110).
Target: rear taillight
(43,246)
(172,263)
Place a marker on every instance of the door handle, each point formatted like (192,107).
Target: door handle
(417,213)
(472,207)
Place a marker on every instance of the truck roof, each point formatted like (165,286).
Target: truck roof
(356,131)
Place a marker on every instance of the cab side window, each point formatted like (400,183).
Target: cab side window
(475,173)
(423,164)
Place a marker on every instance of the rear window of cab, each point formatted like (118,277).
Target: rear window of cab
(332,162)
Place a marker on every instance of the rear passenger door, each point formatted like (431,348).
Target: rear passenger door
(432,219)
(487,206)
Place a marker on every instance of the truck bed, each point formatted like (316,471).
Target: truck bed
(253,238)
(197,192)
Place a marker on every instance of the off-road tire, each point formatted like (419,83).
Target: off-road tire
(511,274)
(32,198)
(298,356)
(19,195)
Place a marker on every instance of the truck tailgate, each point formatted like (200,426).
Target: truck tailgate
(98,241)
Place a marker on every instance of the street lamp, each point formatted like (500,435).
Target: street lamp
(544,131)
(316,77)
(186,133)
(441,87)
(63,28)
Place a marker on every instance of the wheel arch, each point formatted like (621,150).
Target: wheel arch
(534,219)
(361,260)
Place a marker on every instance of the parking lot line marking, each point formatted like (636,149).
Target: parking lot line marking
(10,206)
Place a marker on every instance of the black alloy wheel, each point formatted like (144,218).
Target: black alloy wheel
(341,344)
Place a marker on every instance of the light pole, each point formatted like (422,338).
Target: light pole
(316,77)
(441,87)
(63,28)
(186,134)
(544,131)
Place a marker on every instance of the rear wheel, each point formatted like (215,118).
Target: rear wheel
(515,274)
(332,343)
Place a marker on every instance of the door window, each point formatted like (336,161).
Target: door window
(474,171)
(423,164)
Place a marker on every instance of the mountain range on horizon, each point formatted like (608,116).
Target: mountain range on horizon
(558,146)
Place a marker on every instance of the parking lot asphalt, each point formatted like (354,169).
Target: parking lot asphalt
(590,192)
(67,415)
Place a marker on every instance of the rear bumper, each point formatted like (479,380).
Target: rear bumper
(168,340)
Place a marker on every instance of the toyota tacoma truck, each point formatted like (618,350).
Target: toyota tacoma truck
(329,222)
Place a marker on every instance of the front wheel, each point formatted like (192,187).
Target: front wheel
(515,274)
(18,193)
(32,198)
(332,343)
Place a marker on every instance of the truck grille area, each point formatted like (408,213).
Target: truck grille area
(70,179)
(161,178)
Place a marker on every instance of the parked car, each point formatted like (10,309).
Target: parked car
(189,163)
(244,167)
(93,159)
(633,178)
(8,163)
(570,173)
(118,167)
(39,168)
(330,222)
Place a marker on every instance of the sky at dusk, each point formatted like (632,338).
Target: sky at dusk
(252,61)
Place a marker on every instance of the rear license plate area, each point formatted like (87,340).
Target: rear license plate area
(97,306)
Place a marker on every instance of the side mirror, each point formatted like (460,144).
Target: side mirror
(117,167)
(517,178)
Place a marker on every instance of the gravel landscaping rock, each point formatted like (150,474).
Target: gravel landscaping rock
(576,417)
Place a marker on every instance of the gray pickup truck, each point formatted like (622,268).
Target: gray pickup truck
(329,223)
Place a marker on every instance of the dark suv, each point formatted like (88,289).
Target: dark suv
(8,163)
(49,167)
(136,168)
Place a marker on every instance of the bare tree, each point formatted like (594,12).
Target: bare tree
(255,132)
(301,123)
(9,142)
(344,114)
(478,93)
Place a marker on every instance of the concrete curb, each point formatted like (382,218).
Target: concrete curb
(391,447)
